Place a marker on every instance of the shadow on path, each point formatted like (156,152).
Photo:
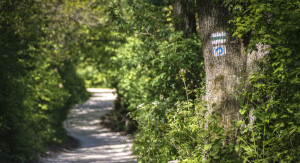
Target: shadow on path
(97,144)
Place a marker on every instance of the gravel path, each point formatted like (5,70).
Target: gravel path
(97,144)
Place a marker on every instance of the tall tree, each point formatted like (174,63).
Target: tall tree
(227,66)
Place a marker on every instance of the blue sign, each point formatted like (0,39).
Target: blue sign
(219,50)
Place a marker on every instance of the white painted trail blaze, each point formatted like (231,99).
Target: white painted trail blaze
(218,41)
(218,38)
(97,144)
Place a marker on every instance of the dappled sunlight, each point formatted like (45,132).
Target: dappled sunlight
(97,144)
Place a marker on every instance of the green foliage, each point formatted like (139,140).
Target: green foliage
(159,70)
(15,59)
(271,104)
(72,83)
(159,90)
(151,66)
(159,75)
(42,44)
(93,78)
(274,100)
(38,84)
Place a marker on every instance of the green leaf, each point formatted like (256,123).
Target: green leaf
(242,111)
(207,146)
(239,123)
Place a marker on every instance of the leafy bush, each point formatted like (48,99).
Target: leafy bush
(159,70)
(156,79)
(271,104)
(37,90)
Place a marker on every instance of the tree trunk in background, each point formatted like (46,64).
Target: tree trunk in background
(225,65)
(185,16)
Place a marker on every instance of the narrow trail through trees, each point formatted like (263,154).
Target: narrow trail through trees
(97,144)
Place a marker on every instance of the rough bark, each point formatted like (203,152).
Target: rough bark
(227,74)
(224,74)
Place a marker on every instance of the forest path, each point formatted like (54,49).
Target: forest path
(97,144)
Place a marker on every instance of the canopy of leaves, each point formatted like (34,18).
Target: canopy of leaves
(158,71)
(41,43)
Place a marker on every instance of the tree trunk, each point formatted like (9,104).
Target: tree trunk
(225,65)
(227,68)
(184,16)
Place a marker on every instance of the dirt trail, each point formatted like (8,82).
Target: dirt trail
(97,144)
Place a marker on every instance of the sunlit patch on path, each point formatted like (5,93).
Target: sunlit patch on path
(97,144)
